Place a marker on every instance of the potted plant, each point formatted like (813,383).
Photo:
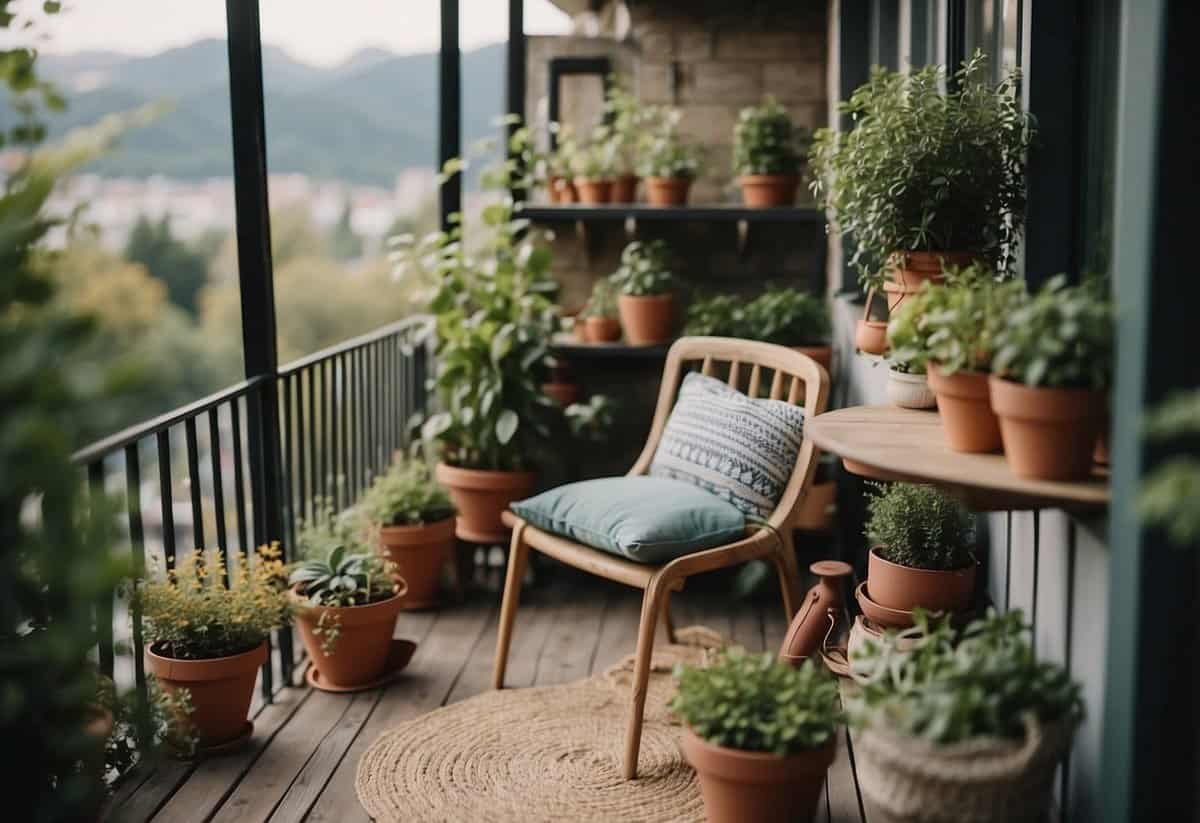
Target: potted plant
(926,177)
(629,121)
(601,313)
(594,166)
(560,386)
(971,731)
(721,315)
(668,164)
(766,155)
(870,333)
(210,638)
(759,733)
(411,520)
(792,318)
(559,165)
(908,356)
(1052,367)
(647,301)
(922,554)
(346,600)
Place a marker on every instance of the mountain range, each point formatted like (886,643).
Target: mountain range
(360,121)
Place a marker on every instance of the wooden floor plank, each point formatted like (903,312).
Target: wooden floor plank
(163,781)
(216,778)
(619,627)
(571,641)
(746,628)
(427,683)
(844,806)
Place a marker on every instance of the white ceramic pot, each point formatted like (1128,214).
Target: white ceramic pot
(909,391)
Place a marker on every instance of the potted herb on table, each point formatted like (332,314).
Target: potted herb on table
(759,733)
(647,293)
(209,638)
(412,523)
(926,178)
(668,164)
(907,386)
(1051,371)
(971,732)
(922,557)
(767,155)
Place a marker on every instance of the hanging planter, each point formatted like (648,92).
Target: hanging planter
(909,271)
(870,336)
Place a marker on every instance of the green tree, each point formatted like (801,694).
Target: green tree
(183,269)
(344,244)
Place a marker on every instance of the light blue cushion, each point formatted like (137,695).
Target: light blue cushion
(645,519)
(738,448)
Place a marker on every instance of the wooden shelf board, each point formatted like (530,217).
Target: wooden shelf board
(888,443)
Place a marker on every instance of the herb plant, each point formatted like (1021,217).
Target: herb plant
(722,315)
(755,703)
(645,270)
(598,159)
(927,170)
(1169,491)
(908,335)
(629,121)
(664,153)
(190,613)
(919,527)
(406,495)
(788,317)
(350,575)
(1062,337)
(962,317)
(985,686)
(603,301)
(765,142)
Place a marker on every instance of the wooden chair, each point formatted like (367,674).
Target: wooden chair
(792,374)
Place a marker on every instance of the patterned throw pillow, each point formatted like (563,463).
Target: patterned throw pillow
(740,449)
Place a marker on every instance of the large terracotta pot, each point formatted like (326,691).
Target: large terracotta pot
(822,354)
(481,497)
(624,189)
(757,787)
(419,553)
(603,329)
(963,400)
(593,190)
(360,653)
(766,191)
(901,587)
(1049,434)
(667,191)
(647,320)
(910,270)
(220,690)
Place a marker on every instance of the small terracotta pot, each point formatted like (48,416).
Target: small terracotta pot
(767,191)
(882,616)
(870,336)
(667,191)
(603,329)
(901,587)
(220,690)
(756,787)
(909,391)
(420,553)
(561,190)
(364,639)
(647,320)
(481,496)
(581,329)
(822,354)
(593,190)
(562,393)
(1049,434)
(963,400)
(624,189)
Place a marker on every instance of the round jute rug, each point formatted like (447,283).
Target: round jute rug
(540,754)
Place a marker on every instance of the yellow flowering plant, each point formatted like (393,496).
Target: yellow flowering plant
(189,613)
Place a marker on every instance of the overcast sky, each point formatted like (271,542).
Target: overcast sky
(316,31)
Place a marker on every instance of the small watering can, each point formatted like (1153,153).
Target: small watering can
(818,614)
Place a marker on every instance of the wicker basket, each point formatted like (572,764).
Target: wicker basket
(985,780)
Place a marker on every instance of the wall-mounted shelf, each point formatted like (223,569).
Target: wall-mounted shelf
(569,346)
(640,211)
(888,443)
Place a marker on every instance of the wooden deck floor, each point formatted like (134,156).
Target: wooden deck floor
(301,762)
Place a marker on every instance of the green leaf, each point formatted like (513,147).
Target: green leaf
(506,425)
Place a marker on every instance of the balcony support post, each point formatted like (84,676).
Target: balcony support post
(449,112)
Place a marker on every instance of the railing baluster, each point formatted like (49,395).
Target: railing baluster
(104,604)
(359,413)
(328,468)
(214,448)
(193,469)
(166,496)
(137,546)
(239,480)
(313,466)
(377,415)
(390,446)
(301,495)
(288,498)
(350,482)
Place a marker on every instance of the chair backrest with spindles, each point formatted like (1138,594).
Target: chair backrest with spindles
(744,365)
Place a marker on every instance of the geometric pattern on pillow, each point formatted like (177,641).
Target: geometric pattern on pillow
(739,448)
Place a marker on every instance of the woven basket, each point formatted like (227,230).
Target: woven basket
(984,780)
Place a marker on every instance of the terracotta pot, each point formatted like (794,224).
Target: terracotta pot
(822,354)
(910,270)
(581,330)
(420,553)
(593,190)
(870,336)
(624,189)
(564,394)
(963,400)
(767,191)
(481,496)
(882,616)
(603,329)
(220,690)
(647,320)
(900,587)
(817,613)
(364,639)
(561,190)
(756,787)
(909,391)
(667,191)
(1049,434)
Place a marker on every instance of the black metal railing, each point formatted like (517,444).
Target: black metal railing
(196,477)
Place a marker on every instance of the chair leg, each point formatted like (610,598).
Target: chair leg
(652,604)
(667,622)
(784,560)
(518,554)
